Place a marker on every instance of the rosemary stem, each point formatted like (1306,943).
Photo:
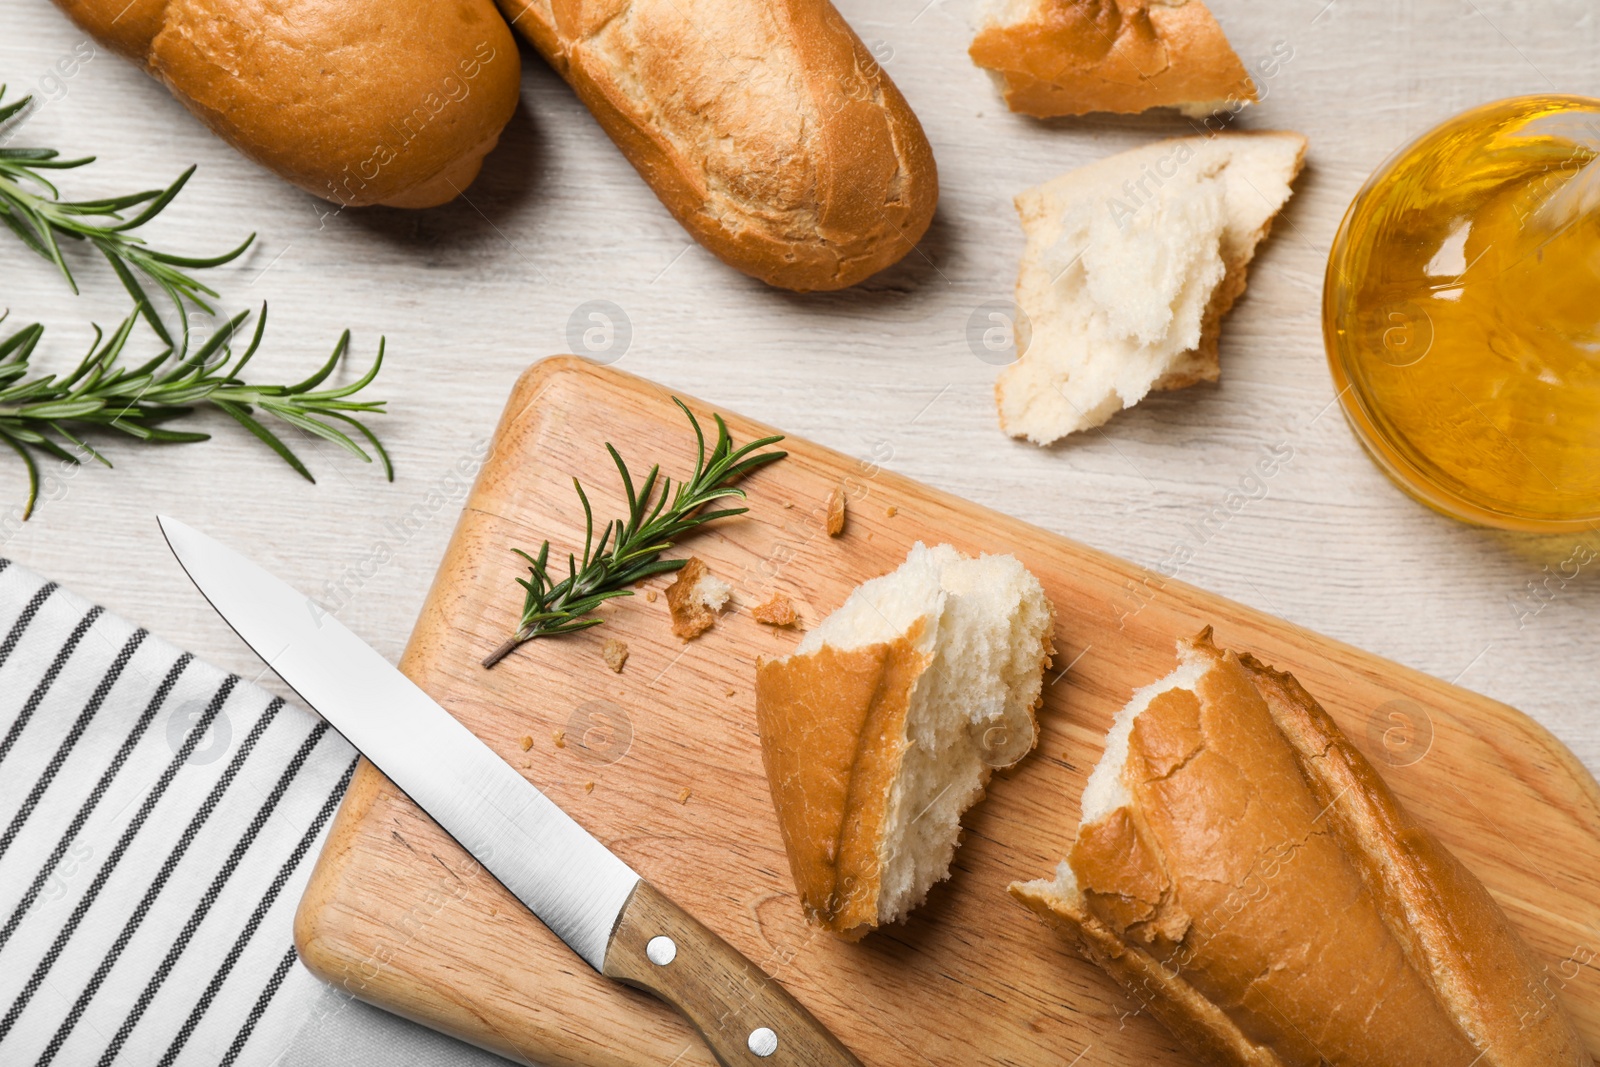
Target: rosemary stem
(510,646)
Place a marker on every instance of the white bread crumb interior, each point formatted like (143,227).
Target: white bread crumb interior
(711,592)
(1123,259)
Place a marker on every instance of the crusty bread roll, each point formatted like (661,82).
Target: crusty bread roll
(884,726)
(1243,872)
(395,105)
(1130,264)
(766,128)
(1072,57)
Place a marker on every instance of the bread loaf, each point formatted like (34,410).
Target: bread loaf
(884,726)
(1246,876)
(1130,264)
(1072,57)
(766,128)
(358,105)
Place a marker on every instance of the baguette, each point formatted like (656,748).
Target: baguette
(1073,57)
(1243,872)
(884,726)
(767,129)
(1131,263)
(354,105)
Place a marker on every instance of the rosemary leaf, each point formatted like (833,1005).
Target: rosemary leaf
(630,548)
(45,413)
(32,208)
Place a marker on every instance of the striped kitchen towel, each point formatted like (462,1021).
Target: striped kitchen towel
(158,819)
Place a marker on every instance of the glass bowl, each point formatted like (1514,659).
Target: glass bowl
(1461,314)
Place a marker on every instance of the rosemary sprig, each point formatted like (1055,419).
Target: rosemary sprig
(630,549)
(46,414)
(32,208)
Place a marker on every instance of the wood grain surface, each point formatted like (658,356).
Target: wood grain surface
(662,762)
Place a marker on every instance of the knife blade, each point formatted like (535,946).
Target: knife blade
(599,906)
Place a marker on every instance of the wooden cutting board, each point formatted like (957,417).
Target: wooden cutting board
(662,762)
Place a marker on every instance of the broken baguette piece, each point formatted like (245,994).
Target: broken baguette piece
(886,723)
(1130,264)
(1243,872)
(1074,57)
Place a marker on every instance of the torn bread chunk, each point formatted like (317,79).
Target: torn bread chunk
(694,599)
(1243,872)
(1130,264)
(1074,57)
(886,723)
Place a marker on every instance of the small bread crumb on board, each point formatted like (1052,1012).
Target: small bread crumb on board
(890,512)
(835,519)
(683,797)
(615,653)
(650,596)
(560,737)
(588,787)
(526,742)
(777,611)
(695,598)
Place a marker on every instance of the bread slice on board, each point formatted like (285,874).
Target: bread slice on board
(1130,264)
(359,104)
(885,724)
(765,126)
(1073,57)
(1246,876)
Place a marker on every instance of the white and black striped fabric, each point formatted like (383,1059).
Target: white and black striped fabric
(158,819)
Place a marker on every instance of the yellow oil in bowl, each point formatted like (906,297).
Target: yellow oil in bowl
(1461,313)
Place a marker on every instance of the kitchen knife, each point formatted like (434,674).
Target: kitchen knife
(620,924)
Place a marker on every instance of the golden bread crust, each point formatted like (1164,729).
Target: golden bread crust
(350,107)
(768,130)
(1263,893)
(1074,57)
(833,733)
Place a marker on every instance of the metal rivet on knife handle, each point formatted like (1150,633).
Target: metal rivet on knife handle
(661,950)
(763,1042)
(744,1016)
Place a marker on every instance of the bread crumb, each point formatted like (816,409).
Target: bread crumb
(650,596)
(777,611)
(835,519)
(695,598)
(730,692)
(615,653)
(588,787)
(560,737)
(683,797)
(526,742)
(787,504)
(891,511)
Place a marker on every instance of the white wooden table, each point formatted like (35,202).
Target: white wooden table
(471,293)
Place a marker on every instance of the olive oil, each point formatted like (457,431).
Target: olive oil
(1461,312)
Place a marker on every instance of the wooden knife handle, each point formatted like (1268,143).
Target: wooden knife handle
(746,1018)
